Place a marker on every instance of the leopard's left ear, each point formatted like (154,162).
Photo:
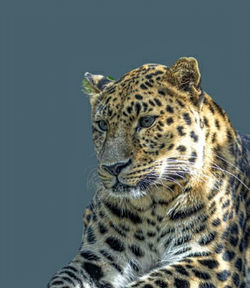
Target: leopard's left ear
(93,85)
(185,76)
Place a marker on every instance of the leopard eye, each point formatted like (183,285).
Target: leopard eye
(103,125)
(146,121)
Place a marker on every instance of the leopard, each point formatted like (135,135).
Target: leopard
(172,204)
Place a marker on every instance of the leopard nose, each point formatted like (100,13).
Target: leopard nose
(116,168)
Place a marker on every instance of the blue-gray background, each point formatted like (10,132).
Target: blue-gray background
(46,150)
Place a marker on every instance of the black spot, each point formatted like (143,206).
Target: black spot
(180,130)
(214,137)
(194,136)
(161,283)
(180,103)
(134,266)
(219,248)
(216,222)
(183,239)
(110,112)
(242,220)
(157,101)
(167,272)
(137,96)
(211,108)
(206,285)
(151,103)
(147,286)
(210,263)
(225,233)
(111,90)
(233,240)
(229,136)
(117,229)
(206,122)
(137,108)
(136,250)
(155,274)
(115,244)
(186,213)
(57,282)
(187,118)
(89,255)
(151,234)
(107,255)
(217,124)
(139,237)
(90,236)
(238,264)
(169,109)
(219,109)
(107,100)
(223,275)
(69,280)
(102,228)
(200,228)
(181,148)
(205,240)
(137,284)
(180,269)
(72,269)
(161,92)
(193,157)
(234,229)
(70,274)
(123,213)
(129,109)
(148,84)
(93,270)
(169,120)
(228,255)
(226,204)
(143,87)
(117,267)
(236,279)
(225,216)
(145,106)
(170,146)
(201,274)
(181,283)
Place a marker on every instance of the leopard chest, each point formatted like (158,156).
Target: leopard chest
(142,238)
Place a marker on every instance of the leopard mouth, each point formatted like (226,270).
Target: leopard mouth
(148,180)
(142,185)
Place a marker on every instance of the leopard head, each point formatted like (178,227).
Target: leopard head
(146,126)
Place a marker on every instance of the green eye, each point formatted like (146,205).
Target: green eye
(147,121)
(103,125)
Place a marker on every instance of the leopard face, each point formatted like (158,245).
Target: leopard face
(146,127)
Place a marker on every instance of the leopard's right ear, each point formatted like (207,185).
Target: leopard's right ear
(93,85)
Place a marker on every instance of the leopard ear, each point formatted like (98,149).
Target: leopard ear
(184,73)
(185,76)
(93,85)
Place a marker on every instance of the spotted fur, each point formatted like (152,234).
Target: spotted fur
(172,207)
